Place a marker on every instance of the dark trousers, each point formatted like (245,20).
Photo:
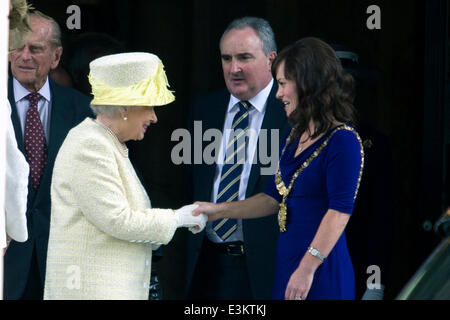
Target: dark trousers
(34,289)
(20,284)
(220,275)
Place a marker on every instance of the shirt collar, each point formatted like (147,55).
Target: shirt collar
(21,92)
(258,101)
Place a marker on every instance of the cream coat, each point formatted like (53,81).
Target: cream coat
(102,227)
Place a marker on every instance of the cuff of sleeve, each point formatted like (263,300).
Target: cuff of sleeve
(164,227)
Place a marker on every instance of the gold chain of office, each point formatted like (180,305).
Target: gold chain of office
(281,187)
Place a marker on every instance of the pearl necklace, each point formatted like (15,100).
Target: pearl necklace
(120,145)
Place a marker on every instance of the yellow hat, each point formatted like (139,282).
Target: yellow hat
(129,79)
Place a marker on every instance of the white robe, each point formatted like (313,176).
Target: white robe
(16,185)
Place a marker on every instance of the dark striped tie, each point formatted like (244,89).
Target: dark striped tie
(232,168)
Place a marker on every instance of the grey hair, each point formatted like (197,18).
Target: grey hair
(108,111)
(55,37)
(261,27)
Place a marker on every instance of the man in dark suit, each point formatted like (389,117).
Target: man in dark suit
(42,114)
(238,263)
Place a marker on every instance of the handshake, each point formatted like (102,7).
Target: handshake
(184,218)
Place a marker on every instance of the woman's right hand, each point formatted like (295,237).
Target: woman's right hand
(209,208)
(257,206)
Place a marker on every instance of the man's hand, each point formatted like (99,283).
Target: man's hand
(211,210)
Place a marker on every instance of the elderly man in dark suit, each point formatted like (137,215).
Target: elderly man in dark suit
(235,259)
(42,114)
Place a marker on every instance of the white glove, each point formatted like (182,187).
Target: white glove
(184,218)
(201,226)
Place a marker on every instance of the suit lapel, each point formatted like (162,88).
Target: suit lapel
(60,121)
(19,136)
(15,116)
(216,111)
(214,118)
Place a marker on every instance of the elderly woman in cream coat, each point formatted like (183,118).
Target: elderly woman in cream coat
(103,228)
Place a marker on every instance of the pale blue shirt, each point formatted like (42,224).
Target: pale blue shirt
(256,117)
(22,105)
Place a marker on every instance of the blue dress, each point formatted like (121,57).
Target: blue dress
(329,182)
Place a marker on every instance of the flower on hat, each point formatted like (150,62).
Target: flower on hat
(19,27)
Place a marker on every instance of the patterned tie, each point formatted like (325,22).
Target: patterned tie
(232,169)
(35,144)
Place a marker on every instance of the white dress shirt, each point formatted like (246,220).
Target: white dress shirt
(256,117)
(44,105)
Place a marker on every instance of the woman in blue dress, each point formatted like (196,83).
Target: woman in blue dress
(318,176)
